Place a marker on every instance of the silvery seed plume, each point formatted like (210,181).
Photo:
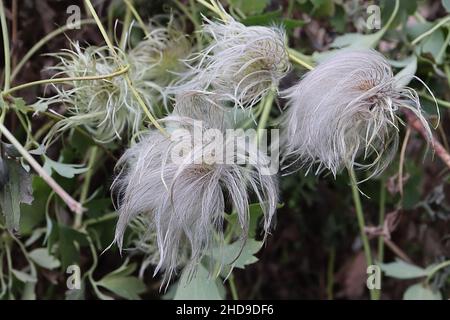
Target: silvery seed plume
(242,63)
(203,107)
(106,108)
(185,199)
(344,113)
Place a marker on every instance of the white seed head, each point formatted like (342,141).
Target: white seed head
(184,201)
(241,64)
(106,108)
(344,114)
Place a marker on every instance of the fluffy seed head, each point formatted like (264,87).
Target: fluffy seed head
(106,107)
(344,113)
(242,62)
(184,199)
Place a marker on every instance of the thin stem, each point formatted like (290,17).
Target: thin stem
(330,273)
(267,107)
(430,31)
(416,124)
(290,8)
(381,214)
(391,18)
(114,53)
(233,289)
(440,102)
(402,161)
(42,42)
(361,223)
(126,24)
(86,183)
(440,55)
(71,203)
(6,50)
(123,70)
(137,17)
(212,5)
(294,57)
(437,268)
(100,26)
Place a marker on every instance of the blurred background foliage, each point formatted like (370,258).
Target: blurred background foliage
(314,251)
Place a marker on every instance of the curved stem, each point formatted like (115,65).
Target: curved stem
(42,42)
(430,31)
(437,268)
(137,16)
(391,18)
(60,80)
(114,53)
(233,289)
(361,222)
(440,102)
(294,57)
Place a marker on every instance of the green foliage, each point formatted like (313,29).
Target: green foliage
(40,238)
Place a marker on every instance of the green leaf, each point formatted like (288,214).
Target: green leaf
(228,255)
(63,169)
(263,19)
(432,45)
(42,258)
(420,292)
(446,5)
(127,287)
(201,286)
(15,191)
(255,214)
(323,8)
(249,7)
(271,18)
(23,276)
(70,241)
(404,77)
(403,270)
(356,40)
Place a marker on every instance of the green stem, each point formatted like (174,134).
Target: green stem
(126,24)
(42,42)
(294,56)
(233,289)
(290,8)
(381,215)
(86,183)
(267,107)
(391,18)
(214,8)
(6,50)
(440,102)
(123,70)
(361,223)
(137,17)
(114,53)
(430,31)
(330,273)
(437,268)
